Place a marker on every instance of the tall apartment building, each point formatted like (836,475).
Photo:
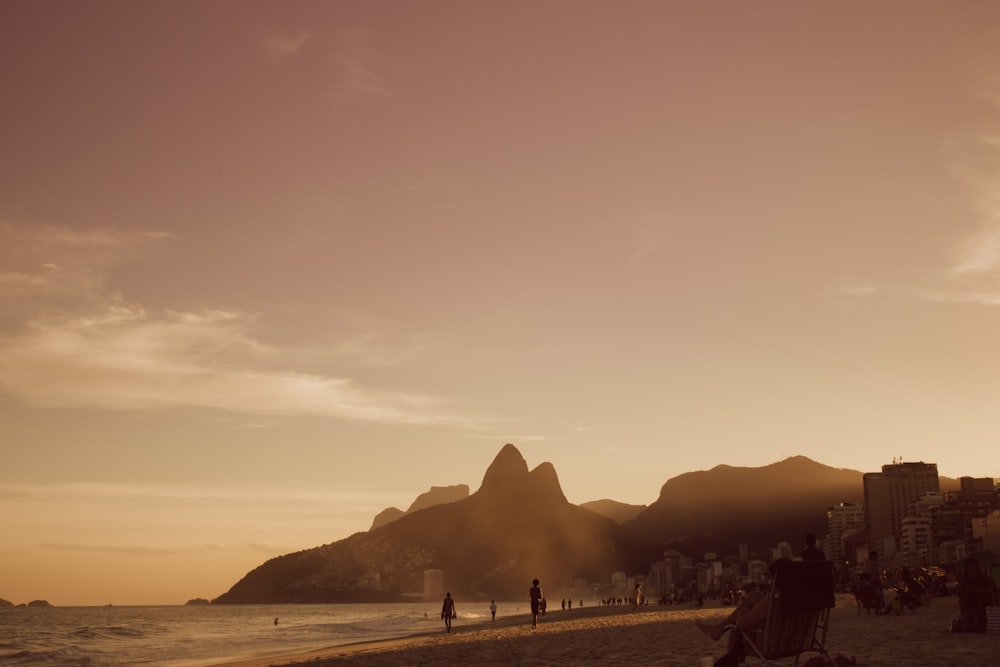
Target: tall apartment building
(917,538)
(975,499)
(888,494)
(840,520)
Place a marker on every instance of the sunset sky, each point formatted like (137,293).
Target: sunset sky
(267,268)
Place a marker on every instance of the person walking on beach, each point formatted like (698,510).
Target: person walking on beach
(448,611)
(535,593)
(493,610)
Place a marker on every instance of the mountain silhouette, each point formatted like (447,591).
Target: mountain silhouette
(516,527)
(614,510)
(718,509)
(436,496)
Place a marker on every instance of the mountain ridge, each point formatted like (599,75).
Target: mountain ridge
(516,527)
(519,525)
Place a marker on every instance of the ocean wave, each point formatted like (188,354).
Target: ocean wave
(109,632)
(60,657)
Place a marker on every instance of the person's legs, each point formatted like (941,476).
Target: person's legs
(754,618)
(714,631)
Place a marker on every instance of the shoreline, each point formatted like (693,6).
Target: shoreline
(503,625)
(653,635)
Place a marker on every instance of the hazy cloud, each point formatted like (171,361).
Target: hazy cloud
(126,549)
(356,70)
(283,47)
(117,493)
(975,159)
(122,357)
(649,240)
(60,267)
(73,341)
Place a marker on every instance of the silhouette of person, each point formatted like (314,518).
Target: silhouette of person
(448,611)
(812,552)
(638,597)
(976,591)
(275,620)
(751,613)
(535,593)
(493,610)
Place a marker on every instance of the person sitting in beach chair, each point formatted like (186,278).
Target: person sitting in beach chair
(791,619)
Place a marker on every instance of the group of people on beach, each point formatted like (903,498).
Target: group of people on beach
(448,611)
(976,590)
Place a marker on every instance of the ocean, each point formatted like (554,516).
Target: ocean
(200,635)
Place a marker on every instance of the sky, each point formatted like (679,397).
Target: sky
(268,268)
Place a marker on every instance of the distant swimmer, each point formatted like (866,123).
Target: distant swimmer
(275,620)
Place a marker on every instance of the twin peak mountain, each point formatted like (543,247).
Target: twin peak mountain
(519,526)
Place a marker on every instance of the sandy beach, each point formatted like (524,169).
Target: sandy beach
(656,635)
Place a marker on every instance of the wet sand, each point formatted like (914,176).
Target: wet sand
(656,635)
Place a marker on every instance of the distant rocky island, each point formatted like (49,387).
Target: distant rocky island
(7,604)
(518,525)
(196,601)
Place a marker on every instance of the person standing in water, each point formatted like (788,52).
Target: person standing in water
(493,610)
(536,596)
(448,611)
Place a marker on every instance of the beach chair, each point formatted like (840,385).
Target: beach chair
(798,614)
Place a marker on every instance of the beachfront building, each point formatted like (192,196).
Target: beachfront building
(619,584)
(841,519)
(954,518)
(664,578)
(917,540)
(975,499)
(781,550)
(888,496)
(987,530)
(951,551)
(757,571)
(433,584)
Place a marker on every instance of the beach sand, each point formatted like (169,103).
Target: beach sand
(656,635)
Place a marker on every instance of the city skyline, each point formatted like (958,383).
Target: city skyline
(267,269)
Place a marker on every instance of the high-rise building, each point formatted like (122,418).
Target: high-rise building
(916,538)
(841,519)
(889,493)
(974,500)
(433,584)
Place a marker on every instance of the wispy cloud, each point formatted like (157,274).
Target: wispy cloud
(56,268)
(971,270)
(357,70)
(124,357)
(283,47)
(88,347)
(974,157)
(649,240)
(126,549)
(848,290)
(117,494)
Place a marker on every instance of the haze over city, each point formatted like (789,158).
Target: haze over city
(267,269)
